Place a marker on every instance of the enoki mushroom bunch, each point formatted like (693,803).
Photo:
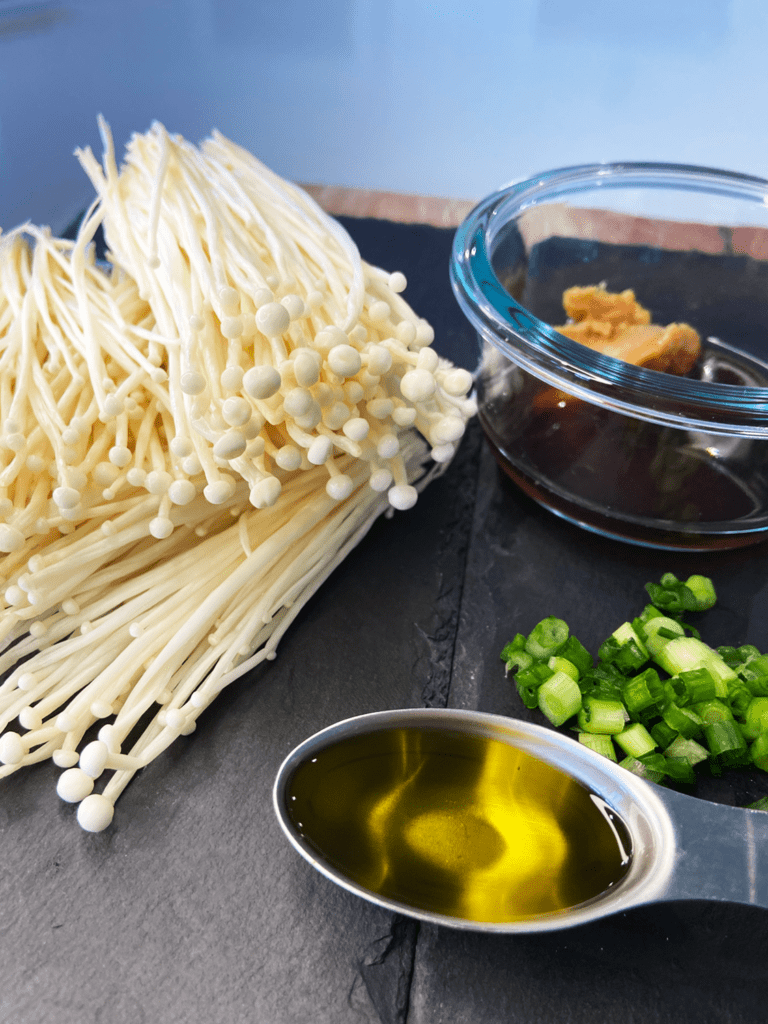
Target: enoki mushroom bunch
(192,436)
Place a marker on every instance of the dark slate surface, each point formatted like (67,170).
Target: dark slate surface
(194,908)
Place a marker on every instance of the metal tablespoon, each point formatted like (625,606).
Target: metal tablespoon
(670,846)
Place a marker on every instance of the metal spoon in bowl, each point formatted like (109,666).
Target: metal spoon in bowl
(483,822)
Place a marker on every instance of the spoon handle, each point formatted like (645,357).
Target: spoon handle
(721,852)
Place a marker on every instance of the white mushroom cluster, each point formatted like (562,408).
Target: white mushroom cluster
(192,435)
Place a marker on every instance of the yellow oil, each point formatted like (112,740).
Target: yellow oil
(455,824)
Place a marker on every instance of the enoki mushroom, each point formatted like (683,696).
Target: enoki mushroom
(193,435)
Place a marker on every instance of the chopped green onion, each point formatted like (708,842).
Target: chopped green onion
(758,752)
(546,638)
(603,681)
(642,691)
(636,766)
(713,711)
(635,739)
(682,720)
(685,653)
(686,749)
(675,768)
(601,743)
(748,651)
(666,632)
(528,682)
(537,674)
(719,697)
(624,649)
(730,656)
(559,698)
(726,743)
(559,664)
(672,691)
(658,632)
(515,654)
(703,590)
(648,613)
(754,672)
(675,597)
(698,685)
(739,698)
(602,716)
(529,694)
(663,734)
(756,718)
(577,654)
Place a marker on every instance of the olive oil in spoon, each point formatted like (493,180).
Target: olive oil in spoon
(479,821)
(456,824)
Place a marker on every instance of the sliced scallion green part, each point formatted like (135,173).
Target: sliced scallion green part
(713,711)
(730,656)
(698,685)
(686,653)
(624,649)
(515,654)
(559,698)
(658,632)
(601,743)
(726,742)
(703,590)
(546,638)
(560,664)
(528,681)
(756,718)
(754,672)
(719,697)
(602,716)
(739,698)
(535,675)
(603,681)
(575,651)
(636,766)
(758,752)
(635,740)
(748,651)
(675,768)
(663,734)
(529,694)
(642,691)
(687,750)
(682,720)
(674,596)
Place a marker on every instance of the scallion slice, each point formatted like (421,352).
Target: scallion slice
(559,698)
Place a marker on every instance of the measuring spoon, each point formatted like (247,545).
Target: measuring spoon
(670,846)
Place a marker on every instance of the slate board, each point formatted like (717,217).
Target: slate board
(193,907)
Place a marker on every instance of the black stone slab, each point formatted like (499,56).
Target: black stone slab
(193,907)
(669,964)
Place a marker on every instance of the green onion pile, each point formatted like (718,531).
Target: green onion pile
(657,692)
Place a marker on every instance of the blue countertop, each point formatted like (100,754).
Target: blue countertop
(444,99)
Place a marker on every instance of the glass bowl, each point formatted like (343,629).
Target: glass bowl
(678,462)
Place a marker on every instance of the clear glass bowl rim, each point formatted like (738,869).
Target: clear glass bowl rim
(536,347)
